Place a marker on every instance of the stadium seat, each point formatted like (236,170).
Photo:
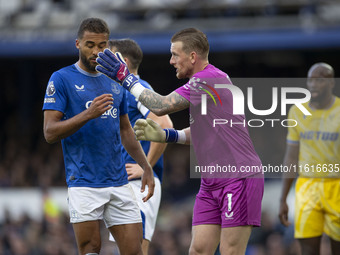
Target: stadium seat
(62,19)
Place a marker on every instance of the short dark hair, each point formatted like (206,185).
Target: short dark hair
(193,40)
(129,49)
(94,25)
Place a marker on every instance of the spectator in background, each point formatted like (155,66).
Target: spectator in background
(313,148)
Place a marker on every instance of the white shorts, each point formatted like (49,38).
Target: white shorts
(113,205)
(149,209)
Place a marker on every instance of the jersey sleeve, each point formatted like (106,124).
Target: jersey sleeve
(191,91)
(123,108)
(293,136)
(198,86)
(55,96)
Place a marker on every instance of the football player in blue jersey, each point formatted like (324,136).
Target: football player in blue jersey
(87,112)
(133,56)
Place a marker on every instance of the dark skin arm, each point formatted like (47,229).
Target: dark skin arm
(155,151)
(55,129)
(291,158)
(133,147)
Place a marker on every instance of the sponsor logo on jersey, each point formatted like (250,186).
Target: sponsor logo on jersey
(79,88)
(49,100)
(113,112)
(50,90)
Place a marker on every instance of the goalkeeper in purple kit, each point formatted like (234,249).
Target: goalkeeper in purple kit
(227,205)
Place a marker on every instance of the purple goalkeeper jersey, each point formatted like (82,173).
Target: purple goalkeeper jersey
(220,139)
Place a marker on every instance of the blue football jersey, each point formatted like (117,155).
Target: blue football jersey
(138,111)
(92,155)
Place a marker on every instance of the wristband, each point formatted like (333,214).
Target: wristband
(171,135)
(137,89)
(174,136)
(129,81)
(182,138)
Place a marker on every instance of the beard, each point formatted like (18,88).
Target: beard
(88,64)
(319,97)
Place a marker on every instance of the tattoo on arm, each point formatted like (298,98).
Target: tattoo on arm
(161,105)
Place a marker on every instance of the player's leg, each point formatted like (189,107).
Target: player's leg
(205,239)
(310,246)
(145,246)
(86,207)
(234,240)
(88,237)
(128,238)
(331,203)
(240,205)
(123,219)
(149,210)
(206,223)
(335,245)
(309,216)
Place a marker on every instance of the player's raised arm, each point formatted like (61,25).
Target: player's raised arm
(112,65)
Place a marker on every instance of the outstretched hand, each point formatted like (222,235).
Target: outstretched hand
(113,66)
(149,130)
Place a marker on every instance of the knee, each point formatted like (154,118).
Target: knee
(233,248)
(310,246)
(133,249)
(196,250)
(230,250)
(91,247)
(192,251)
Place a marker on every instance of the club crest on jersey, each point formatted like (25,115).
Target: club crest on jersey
(50,89)
(115,88)
(80,88)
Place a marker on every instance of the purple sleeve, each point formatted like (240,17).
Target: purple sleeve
(202,83)
(191,92)
(184,92)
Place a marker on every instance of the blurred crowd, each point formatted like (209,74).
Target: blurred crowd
(130,15)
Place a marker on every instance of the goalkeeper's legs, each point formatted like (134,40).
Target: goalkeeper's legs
(234,240)
(205,239)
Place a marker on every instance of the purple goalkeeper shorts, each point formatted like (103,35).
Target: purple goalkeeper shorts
(236,204)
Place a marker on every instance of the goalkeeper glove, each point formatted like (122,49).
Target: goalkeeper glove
(151,131)
(113,66)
